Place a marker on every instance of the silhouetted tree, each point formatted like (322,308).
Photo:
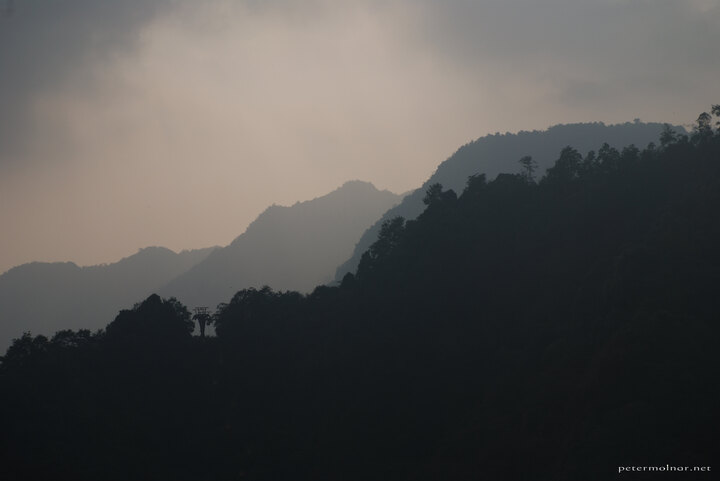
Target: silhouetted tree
(475,183)
(608,158)
(629,156)
(567,166)
(433,194)
(529,166)
(589,164)
(203,319)
(67,339)
(389,238)
(668,136)
(155,320)
(24,350)
(716,112)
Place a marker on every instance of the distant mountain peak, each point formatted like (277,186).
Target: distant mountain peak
(295,247)
(350,184)
(83,297)
(150,249)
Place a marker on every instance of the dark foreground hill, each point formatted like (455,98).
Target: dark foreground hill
(500,153)
(550,331)
(296,247)
(43,297)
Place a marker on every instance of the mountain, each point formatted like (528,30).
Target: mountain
(562,330)
(500,153)
(43,297)
(295,247)
(287,247)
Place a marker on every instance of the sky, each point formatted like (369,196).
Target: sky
(175,123)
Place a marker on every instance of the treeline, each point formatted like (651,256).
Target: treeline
(496,154)
(540,330)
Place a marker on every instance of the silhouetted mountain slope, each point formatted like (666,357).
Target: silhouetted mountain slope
(500,153)
(295,247)
(44,297)
(550,331)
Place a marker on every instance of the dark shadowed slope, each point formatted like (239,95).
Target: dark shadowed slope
(44,297)
(500,153)
(517,330)
(295,247)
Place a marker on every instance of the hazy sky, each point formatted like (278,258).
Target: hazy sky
(166,122)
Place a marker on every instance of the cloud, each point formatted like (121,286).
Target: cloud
(578,54)
(123,123)
(48,45)
(188,128)
(593,53)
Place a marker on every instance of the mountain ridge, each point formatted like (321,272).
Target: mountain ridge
(499,153)
(85,297)
(286,247)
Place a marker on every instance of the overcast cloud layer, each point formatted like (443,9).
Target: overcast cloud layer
(134,123)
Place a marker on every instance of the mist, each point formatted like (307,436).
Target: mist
(133,124)
(399,239)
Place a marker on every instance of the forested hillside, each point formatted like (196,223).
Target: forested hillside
(519,329)
(500,153)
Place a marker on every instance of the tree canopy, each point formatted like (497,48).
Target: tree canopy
(520,330)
